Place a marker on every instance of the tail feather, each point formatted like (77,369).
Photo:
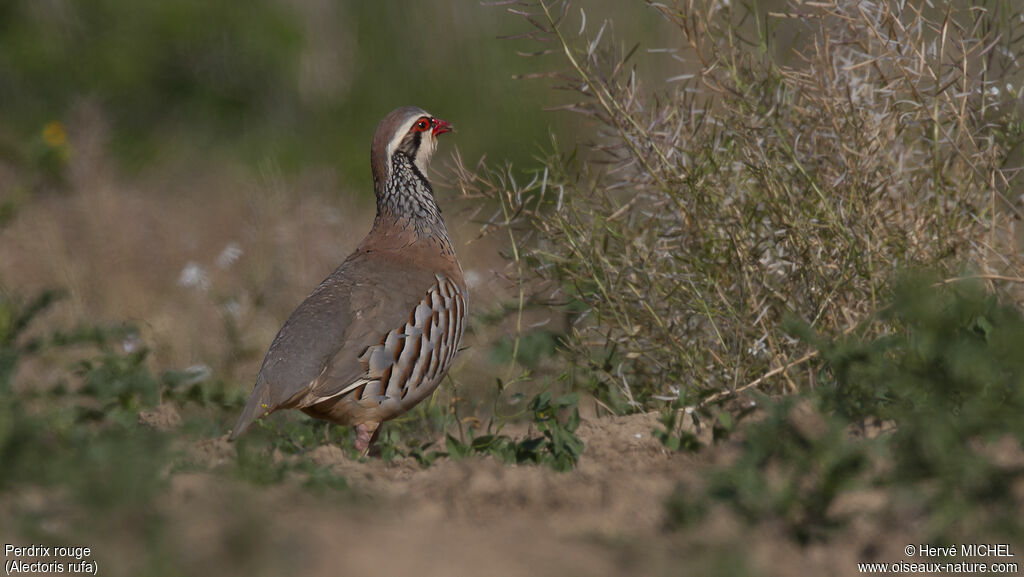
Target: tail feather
(257,407)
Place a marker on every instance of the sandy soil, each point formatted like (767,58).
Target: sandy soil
(480,517)
(475,516)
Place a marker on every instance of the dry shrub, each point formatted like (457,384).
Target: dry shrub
(762,181)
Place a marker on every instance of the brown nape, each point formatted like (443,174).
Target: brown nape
(379,334)
(386,130)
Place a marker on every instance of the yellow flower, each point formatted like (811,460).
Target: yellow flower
(54,135)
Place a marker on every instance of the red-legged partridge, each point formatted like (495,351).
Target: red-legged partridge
(378,334)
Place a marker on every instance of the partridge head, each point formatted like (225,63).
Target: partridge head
(379,334)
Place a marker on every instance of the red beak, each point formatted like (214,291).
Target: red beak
(441,126)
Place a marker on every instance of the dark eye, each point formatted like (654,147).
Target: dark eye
(422,124)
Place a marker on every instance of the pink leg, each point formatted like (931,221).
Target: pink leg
(366,433)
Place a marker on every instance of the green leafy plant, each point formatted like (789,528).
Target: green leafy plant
(947,390)
(557,446)
(789,471)
(681,422)
(15,318)
(111,388)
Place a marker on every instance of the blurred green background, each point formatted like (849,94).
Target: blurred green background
(295,82)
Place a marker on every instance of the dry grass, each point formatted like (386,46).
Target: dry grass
(763,182)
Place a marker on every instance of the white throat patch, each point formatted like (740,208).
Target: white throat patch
(428,144)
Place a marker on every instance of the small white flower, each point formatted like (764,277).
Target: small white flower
(229,255)
(233,308)
(197,374)
(473,279)
(669,398)
(758,349)
(131,343)
(194,276)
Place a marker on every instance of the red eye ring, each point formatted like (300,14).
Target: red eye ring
(423,124)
